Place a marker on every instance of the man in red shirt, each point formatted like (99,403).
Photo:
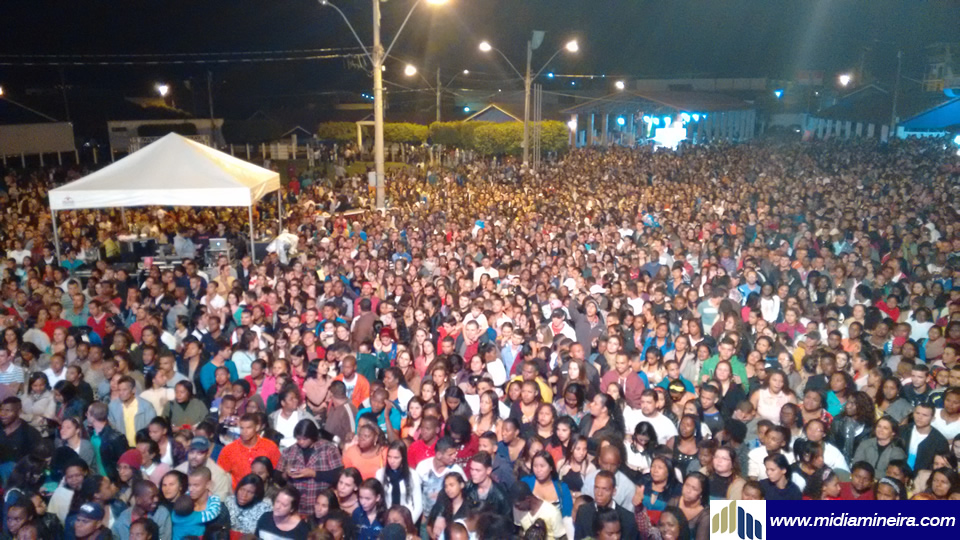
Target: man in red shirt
(237,457)
(426,446)
(860,486)
(55,321)
(98,319)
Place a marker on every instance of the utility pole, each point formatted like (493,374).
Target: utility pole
(213,126)
(896,92)
(378,158)
(438,94)
(63,90)
(526,106)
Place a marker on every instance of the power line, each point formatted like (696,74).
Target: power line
(158,55)
(179,62)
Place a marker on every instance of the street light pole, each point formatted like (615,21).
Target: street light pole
(438,94)
(377,56)
(526,106)
(896,92)
(528,79)
(378,159)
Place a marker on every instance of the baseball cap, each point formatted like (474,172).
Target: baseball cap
(201,444)
(91,510)
(558,314)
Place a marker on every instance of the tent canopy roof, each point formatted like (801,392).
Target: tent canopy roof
(173,171)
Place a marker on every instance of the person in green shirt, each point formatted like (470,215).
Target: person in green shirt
(725,352)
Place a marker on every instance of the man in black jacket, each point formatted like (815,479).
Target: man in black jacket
(923,440)
(604,487)
(17,438)
(110,442)
(482,488)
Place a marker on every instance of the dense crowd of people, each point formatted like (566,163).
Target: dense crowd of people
(594,350)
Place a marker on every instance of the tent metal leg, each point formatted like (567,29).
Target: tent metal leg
(253,253)
(56,235)
(279,212)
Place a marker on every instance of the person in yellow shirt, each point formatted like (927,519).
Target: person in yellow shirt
(530,372)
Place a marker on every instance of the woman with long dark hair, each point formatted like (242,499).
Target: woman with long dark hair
(452,505)
(576,464)
(68,400)
(546,485)
(401,485)
(283,522)
(570,403)
(694,502)
(488,417)
(172,486)
(38,405)
(348,484)
(890,401)
(689,435)
(525,410)
(777,485)
(660,486)
(853,426)
(370,517)
(247,505)
(272,479)
(324,503)
(27,477)
(642,448)
(603,419)
(545,426)
(72,435)
(841,388)
(455,403)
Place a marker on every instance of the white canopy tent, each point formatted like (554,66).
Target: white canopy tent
(173,171)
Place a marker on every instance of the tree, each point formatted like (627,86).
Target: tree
(446,133)
(402,132)
(337,131)
(554,136)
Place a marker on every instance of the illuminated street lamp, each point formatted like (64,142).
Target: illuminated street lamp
(410,70)
(845,79)
(376,55)
(620,85)
(528,78)
(163,89)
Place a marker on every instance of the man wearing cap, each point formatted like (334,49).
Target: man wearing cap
(558,324)
(198,455)
(590,325)
(88,524)
(145,504)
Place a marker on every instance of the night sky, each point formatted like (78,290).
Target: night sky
(640,38)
